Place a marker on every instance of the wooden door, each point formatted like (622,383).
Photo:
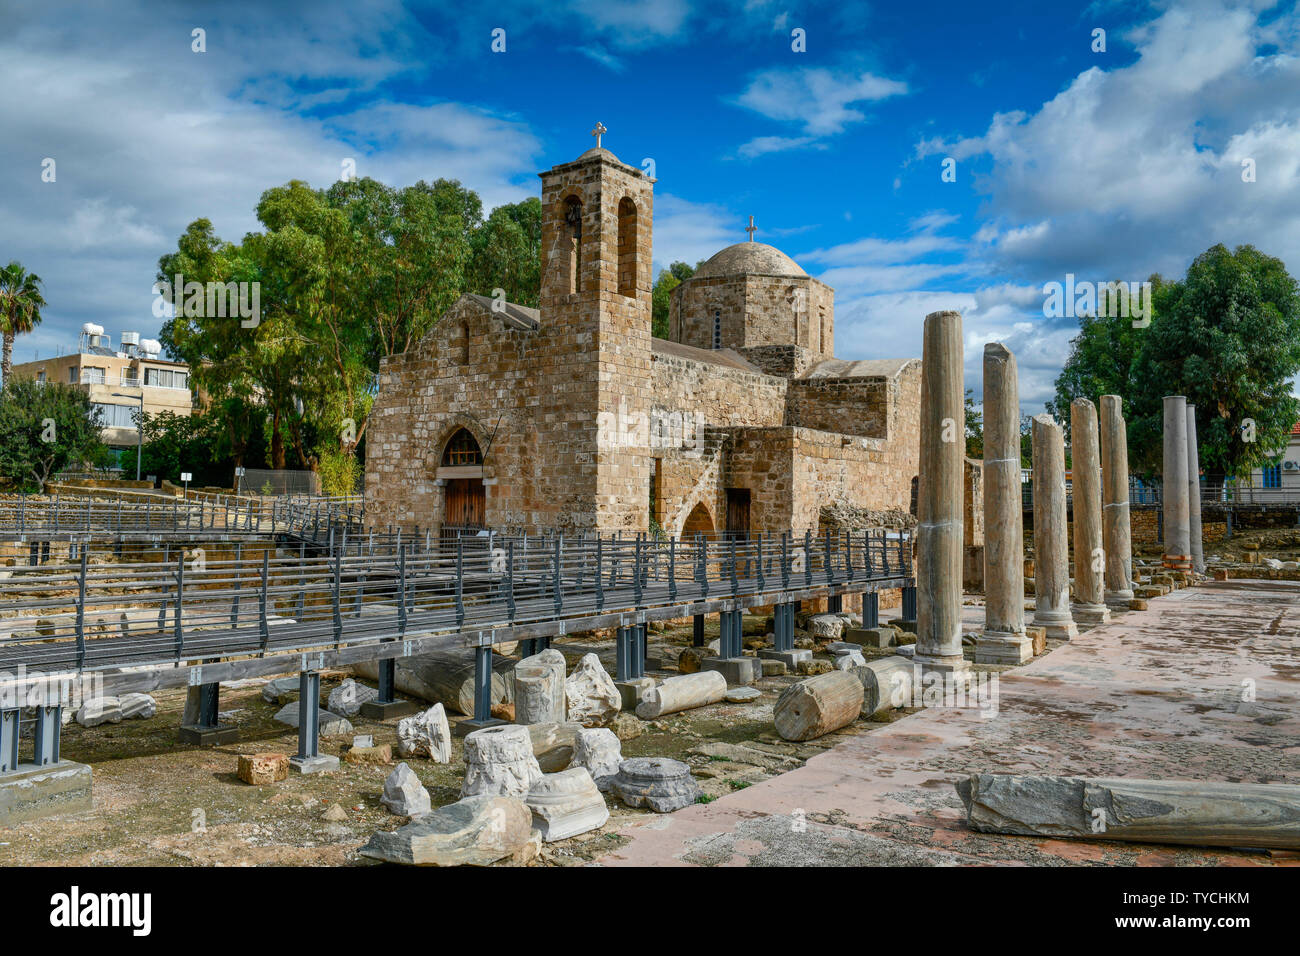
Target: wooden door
(738,512)
(466,503)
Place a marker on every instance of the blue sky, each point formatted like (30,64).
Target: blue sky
(1106,165)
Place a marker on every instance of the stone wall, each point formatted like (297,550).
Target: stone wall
(754,311)
(535,399)
(852,406)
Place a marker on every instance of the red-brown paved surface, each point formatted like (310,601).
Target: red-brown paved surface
(1153,694)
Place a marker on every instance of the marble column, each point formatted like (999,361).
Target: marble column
(1194,494)
(1051,536)
(1116,533)
(939,500)
(1004,640)
(1178,538)
(1089,555)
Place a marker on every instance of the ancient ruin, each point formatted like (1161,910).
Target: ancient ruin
(569,417)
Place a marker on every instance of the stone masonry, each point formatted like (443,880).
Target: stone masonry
(579,420)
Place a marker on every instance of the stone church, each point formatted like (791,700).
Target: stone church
(572,417)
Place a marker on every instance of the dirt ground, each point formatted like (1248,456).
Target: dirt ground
(161,802)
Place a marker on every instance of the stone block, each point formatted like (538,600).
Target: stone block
(540,688)
(565,804)
(632,691)
(32,792)
(329,723)
(656,783)
(877,637)
(592,698)
(383,754)
(790,659)
(774,668)
(262,769)
(599,751)
(736,670)
(1038,637)
(349,697)
(554,744)
(404,795)
(475,831)
(1000,647)
(811,668)
(425,735)
(281,690)
(500,761)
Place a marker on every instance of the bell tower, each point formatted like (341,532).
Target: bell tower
(597,215)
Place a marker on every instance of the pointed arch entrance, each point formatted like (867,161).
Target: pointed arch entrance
(699,521)
(461,471)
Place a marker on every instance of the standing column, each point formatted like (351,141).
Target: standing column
(1004,640)
(1178,538)
(1089,555)
(939,502)
(1051,547)
(1117,536)
(1194,494)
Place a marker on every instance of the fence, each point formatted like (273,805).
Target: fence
(1213,494)
(185,606)
(256,481)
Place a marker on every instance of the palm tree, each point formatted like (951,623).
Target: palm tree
(20,309)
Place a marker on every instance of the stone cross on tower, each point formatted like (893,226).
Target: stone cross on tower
(751,229)
(598,132)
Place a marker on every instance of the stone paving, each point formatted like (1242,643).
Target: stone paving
(1153,694)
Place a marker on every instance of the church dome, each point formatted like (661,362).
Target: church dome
(756,258)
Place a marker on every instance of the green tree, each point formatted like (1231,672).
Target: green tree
(186,443)
(507,253)
(46,428)
(1227,336)
(974,427)
(661,295)
(20,310)
(1102,356)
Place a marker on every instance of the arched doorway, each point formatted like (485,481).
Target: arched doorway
(697,522)
(461,471)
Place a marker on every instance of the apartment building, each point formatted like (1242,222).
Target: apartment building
(118,381)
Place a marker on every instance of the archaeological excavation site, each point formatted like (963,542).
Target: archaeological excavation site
(875,446)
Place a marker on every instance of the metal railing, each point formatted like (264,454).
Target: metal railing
(128,513)
(1213,493)
(179,606)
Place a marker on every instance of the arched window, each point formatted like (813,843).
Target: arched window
(573,238)
(627,239)
(717,328)
(464,343)
(462,449)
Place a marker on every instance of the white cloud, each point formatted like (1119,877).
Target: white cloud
(149,136)
(1138,169)
(821,101)
(688,232)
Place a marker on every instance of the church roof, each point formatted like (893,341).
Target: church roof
(863,368)
(725,357)
(518,316)
(756,258)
